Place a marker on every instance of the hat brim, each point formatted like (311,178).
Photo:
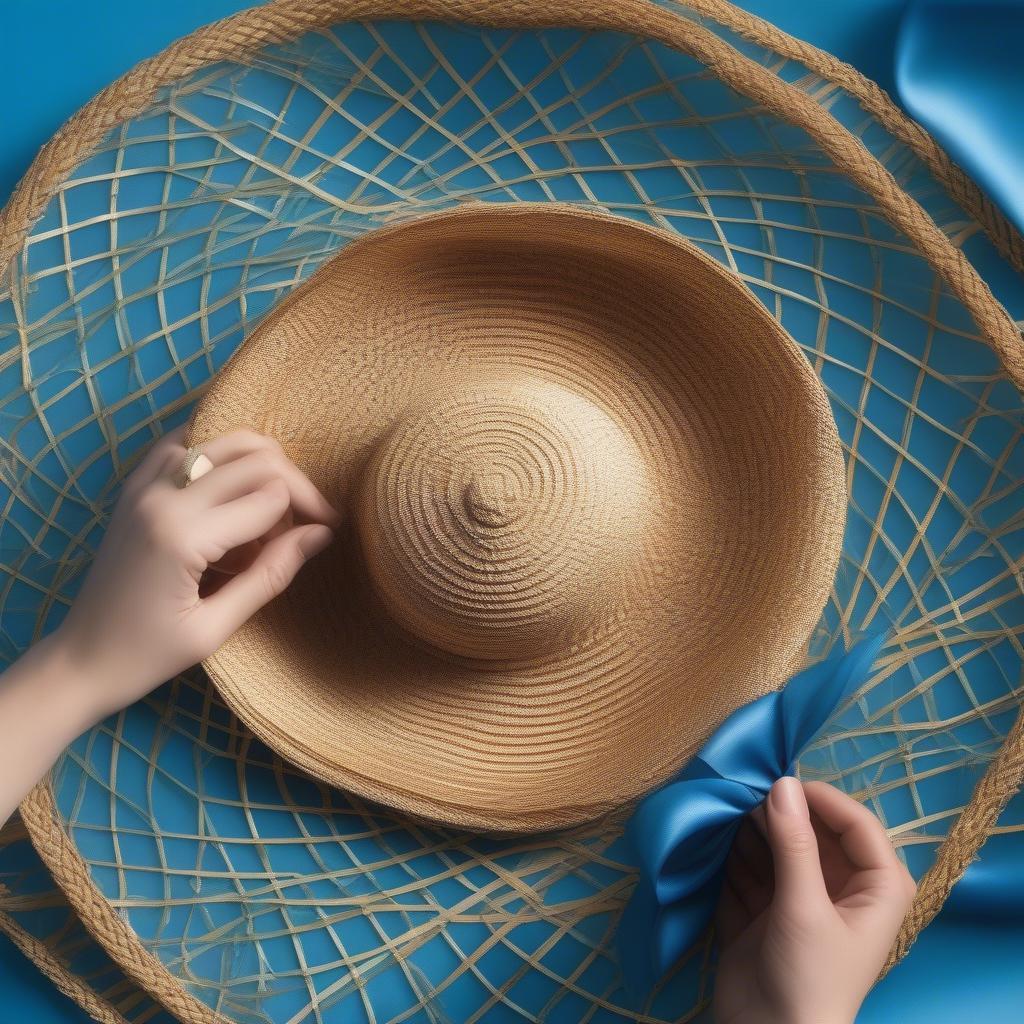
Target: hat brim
(730,544)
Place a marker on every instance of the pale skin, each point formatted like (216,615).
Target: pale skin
(141,616)
(813,898)
(814,893)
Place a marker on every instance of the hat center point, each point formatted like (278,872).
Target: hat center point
(493,497)
(498,521)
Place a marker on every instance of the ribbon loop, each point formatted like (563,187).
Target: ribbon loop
(682,834)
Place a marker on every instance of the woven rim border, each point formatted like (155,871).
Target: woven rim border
(281,21)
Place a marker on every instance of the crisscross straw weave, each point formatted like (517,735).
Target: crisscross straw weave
(967,636)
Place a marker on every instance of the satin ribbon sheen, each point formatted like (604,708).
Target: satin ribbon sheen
(681,835)
(959,72)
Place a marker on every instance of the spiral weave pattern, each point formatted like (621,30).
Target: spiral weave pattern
(500,525)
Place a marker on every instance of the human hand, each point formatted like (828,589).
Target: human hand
(145,611)
(807,917)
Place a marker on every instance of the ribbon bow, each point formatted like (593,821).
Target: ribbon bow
(682,834)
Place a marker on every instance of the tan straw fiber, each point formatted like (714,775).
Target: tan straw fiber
(594,501)
(243,36)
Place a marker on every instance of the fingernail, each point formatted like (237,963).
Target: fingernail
(314,539)
(787,797)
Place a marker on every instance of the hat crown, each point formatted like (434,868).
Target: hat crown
(498,521)
(494,496)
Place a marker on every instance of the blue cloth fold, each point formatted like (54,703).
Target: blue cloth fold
(959,72)
(681,834)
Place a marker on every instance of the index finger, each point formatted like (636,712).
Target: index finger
(861,835)
(235,479)
(236,444)
(240,449)
(154,463)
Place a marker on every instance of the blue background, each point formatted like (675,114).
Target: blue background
(55,54)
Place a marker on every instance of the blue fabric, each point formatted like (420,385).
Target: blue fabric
(60,52)
(992,890)
(682,834)
(959,72)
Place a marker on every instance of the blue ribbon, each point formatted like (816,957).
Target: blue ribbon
(959,72)
(682,834)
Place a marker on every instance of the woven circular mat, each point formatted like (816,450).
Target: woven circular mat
(191,197)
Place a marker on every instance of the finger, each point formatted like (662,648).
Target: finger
(835,865)
(236,443)
(234,479)
(167,448)
(274,568)
(283,525)
(749,869)
(236,560)
(753,892)
(239,558)
(248,518)
(731,917)
(799,884)
(752,849)
(860,833)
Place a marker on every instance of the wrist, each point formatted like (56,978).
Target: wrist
(805,1015)
(72,681)
(833,1017)
(45,703)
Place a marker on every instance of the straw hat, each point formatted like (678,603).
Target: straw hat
(215,194)
(595,501)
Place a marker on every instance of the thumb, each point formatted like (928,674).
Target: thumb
(799,883)
(269,574)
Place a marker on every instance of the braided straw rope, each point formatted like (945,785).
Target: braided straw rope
(284,20)
(39,814)
(876,102)
(1004,777)
(51,963)
(57,970)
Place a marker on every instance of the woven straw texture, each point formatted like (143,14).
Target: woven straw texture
(595,501)
(160,226)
